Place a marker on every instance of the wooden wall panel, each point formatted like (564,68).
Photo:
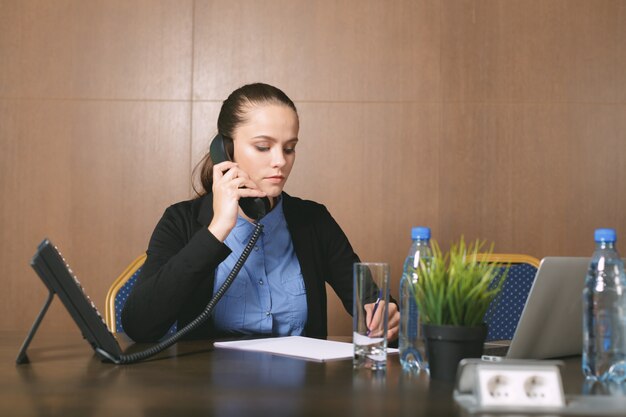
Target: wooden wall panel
(204,122)
(95,178)
(96,49)
(534,178)
(321,50)
(531,93)
(500,119)
(33,204)
(536,50)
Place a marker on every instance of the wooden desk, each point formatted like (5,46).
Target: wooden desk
(64,378)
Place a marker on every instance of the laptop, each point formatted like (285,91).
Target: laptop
(551,323)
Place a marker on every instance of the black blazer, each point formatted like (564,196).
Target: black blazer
(176,281)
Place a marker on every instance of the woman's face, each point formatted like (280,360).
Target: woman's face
(265,146)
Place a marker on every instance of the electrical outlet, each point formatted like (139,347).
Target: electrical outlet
(498,386)
(524,387)
(536,388)
(516,385)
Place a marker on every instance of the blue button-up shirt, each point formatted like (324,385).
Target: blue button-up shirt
(268,294)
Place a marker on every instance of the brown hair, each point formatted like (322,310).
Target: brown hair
(232,114)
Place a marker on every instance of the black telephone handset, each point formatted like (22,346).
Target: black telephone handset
(254,207)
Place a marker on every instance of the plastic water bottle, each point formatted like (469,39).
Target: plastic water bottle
(604,312)
(412,353)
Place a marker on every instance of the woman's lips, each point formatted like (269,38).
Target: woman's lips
(275,179)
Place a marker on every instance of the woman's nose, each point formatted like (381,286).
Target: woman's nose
(278,159)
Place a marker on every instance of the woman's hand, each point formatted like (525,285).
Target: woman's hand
(229,185)
(394,322)
(375,325)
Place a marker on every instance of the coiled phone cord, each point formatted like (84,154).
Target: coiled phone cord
(161,346)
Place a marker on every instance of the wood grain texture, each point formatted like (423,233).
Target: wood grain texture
(534,178)
(193,378)
(96,49)
(94,177)
(204,122)
(499,119)
(533,50)
(319,51)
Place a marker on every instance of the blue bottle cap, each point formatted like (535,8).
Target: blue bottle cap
(605,235)
(420,232)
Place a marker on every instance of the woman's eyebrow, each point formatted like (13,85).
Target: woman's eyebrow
(272,139)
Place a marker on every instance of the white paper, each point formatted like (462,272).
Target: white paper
(365,340)
(297,347)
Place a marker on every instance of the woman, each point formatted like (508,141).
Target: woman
(281,288)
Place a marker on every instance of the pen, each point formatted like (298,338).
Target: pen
(380,294)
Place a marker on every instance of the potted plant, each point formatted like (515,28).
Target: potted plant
(453,293)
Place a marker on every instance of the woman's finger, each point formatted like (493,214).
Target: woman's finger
(394,322)
(221,168)
(374,318)
(248,192)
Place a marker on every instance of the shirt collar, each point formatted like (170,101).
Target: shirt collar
(243,228)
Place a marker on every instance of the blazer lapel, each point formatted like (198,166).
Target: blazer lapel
(305,246)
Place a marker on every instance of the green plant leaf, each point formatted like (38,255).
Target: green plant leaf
(457,287)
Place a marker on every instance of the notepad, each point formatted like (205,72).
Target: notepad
(300,347)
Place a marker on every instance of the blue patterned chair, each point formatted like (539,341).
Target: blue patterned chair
(505,311)
(118,293)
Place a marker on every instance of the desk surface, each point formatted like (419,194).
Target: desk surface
(64,378)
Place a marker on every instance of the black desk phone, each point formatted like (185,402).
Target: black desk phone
(59,279)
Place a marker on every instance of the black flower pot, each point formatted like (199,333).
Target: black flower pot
(447,345)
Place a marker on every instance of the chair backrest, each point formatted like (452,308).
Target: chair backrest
(505,311)
(118,293)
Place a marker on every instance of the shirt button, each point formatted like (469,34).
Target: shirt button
(260,282)
(267,313)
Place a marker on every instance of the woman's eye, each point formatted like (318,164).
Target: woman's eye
(289,151)
(262,148)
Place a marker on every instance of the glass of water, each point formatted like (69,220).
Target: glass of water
(370,315)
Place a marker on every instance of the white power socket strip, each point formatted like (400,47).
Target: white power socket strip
(525,387)
(520,386)
(509,384)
